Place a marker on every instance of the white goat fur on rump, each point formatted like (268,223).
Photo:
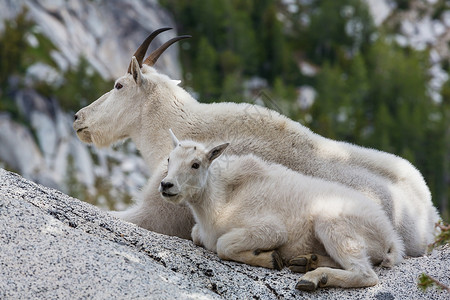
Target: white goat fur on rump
(149,103)
(264,214)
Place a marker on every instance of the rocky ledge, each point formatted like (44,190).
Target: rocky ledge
(57,247)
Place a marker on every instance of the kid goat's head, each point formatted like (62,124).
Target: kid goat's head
(187,169)
(113,116)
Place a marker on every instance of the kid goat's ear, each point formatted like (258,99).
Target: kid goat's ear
(174,139)
(136,71)
(216,152)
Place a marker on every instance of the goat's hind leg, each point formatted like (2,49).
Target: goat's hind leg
(325,277)
(254,246)
(348,250)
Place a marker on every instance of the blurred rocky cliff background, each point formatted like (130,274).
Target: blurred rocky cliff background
(371,72)
(56,57)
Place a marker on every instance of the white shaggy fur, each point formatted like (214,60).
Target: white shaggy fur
(251,211)
(150,103)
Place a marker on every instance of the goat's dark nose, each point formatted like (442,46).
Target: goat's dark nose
(75,117)
(166,185)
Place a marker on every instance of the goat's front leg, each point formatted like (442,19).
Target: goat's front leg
(196,236)
(253,246)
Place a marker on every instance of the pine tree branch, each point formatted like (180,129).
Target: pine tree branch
(427,281)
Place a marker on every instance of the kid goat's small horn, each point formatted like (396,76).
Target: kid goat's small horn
(153,57)
(140,52)
(174,138)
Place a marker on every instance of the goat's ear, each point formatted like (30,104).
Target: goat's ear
(177,82)
(136,71)
(216,152)
(174,139)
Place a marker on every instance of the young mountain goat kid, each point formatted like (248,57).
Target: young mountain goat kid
(264,214)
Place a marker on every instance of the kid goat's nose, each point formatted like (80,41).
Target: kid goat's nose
(166,185)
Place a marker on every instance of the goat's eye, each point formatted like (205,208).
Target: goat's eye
(195,166)
(118,86)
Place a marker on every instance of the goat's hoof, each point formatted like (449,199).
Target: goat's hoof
(299,264)
(277,261)
(323,281)
(304,263)
(306,285)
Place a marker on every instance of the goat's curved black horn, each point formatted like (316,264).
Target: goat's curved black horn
(140,52)
(153,57)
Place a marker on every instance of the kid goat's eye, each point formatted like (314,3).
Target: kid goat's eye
(118,86)
(195,166)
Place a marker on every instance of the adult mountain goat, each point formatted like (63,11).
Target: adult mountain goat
(144,104)
(264,214)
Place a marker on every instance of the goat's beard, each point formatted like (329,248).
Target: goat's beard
(85,136)
(101,140)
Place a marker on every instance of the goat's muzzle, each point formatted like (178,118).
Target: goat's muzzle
(81,129)
(165,187)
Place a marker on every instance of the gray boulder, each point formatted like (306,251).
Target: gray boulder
(53,246)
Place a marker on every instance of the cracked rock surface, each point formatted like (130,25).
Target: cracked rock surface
(53,246)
